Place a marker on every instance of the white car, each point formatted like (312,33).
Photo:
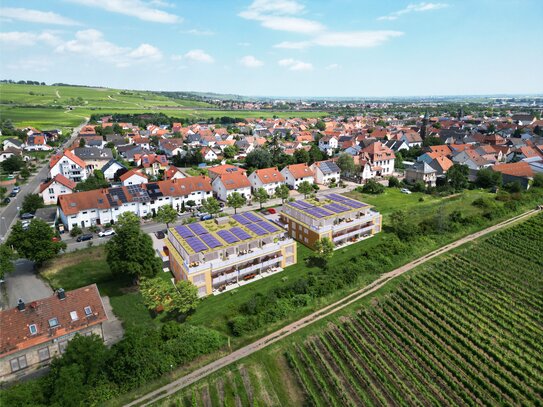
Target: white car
(405,191)
(107,232)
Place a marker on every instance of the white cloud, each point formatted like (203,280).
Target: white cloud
(354,39)
(135,8)
(22,39)
(293,44)
(198,55)
(195,31)
(332,67)
(92,44)
(413,8)
(295,65)
(250,61)
(35,16)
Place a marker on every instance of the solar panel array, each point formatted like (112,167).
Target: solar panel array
(253,227)
(198,229)
(196,244)
(184,231)
(252,217)
(211,241)
(268,226)
(228,236)
(340,204)
(240,233)
(241,219)
(329,167)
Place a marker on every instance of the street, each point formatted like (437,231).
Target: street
(9,213)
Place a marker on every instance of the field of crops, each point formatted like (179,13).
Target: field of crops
(463,330)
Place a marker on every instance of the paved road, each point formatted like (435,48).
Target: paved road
(235,356)
(24,283)
(10,212)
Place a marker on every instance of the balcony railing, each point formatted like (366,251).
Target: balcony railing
(247,270)
(351,234)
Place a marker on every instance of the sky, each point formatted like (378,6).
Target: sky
(340,48)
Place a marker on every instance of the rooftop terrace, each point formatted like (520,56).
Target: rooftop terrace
(329,206)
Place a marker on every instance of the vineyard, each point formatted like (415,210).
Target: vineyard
(464,329)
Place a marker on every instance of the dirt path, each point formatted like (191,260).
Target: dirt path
(57,93)
(235,356)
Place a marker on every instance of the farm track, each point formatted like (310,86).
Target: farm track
(472,395)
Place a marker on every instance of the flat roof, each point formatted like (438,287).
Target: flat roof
(327,206)
(207,236)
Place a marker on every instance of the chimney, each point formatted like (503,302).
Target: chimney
(61,294)
(20,304)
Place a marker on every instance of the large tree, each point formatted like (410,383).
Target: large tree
(324,249)
(282,192)
(31,203)
(211,206)
(305,188)
(166,214)
(486,178)
(36,243)
(345,162)
(301,156)
(180,298)
(258,158)
(236,200)
(261,196)
(12,164)
(457,176)
(130,251)
(230,151)
(6,263)
(315,154)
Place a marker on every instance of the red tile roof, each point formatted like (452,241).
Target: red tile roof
(14,324)
(225,169)
(269,175)
(185,186)
(130,173)
(234,180)
(520,169)
(68,154)
(300,171)
(71,204)
(61,179)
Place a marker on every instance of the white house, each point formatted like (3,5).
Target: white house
(37,143)
(326,172)
(110,169)
(267,178)
(208,154)
(69,165)
(327,144)
(380,157)
(226,184)
(133,177)
(52,189)
(296,174)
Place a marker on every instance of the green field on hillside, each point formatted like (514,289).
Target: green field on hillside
(462,329)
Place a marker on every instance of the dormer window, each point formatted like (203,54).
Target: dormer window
(33,329)
(88,311)
(53,323)
(74,316)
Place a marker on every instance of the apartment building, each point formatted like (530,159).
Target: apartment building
(33,334)
(341,219)
(224,253)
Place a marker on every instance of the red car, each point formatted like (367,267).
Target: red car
(272,211)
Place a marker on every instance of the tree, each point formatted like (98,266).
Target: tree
(25,173)
(393,182)
(166,214)
(315,154)
(320,125)
(36,243)
(130,251)
(324,249)
(258,158)
(6,257)
(230,151)
(211,206)
(261,196)
(12,164)
(538,180)
(486,178)
(457,176)
(31,203)
(403,225)
(93,181)
(346,163)
(301,156)
(432,141)
(190,203)
(180,298)
(236,200)
(282,192)
(305,188)
(373,187)
(3,191)
(82,142)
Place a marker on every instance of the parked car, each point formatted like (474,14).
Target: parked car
(206,217)
(55,239)
(7,200)
(272,211)
(405,191)
(85,237)
(160,234)
(13,194)
(106,232)
(26,216)
(16,190)
(25,224)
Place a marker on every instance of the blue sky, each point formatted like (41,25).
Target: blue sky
(353,48)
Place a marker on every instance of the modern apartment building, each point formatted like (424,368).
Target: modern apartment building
(341,219)
(227,252)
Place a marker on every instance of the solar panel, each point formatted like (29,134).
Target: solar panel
(257,229)
(227,236)
(353,204)
(268,226)
(184,231)
(304,204)
(240,233)
(241,219)
(252,217)
(296,205)
(315,213)
(196,244)
(198,229)
(334,208)
(211,241)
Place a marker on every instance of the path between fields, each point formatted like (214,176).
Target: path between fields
(261,343)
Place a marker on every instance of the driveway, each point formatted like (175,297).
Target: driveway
(24,283)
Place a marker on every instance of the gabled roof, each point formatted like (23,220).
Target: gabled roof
(61,179)
(71,204)
(68,154)
(520,169)
(379,152)
(327,167)
(234,180)
(422,167)
(131,173)
(442,162)
(69,313)
(269,175)
(300,171)
(225,169)
(111,163)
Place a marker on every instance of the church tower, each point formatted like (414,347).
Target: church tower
(424,124)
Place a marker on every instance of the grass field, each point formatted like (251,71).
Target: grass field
(462,329)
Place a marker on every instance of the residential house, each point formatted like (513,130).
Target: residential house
(172,147)
(380,157)
(328,144)
(520,172)
(13,143)
(441,165)
(421,171)
(226,184)
(94,158)
(34,333)
(151,164)
(52,189)
(133,177)
(111,168)
(69,165)
(267,178)
(208,154)
(472,159)
(326,172)
(173,173)
(219,170)
(37,142)
(397,145)
(9,152)
(296,174)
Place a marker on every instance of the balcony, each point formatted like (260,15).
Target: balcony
(353,234)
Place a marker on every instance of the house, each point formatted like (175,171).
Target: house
(208,154)
(472,159)
(173,173)
(326,172)
(380,157)
(52,189)
(267,178)
(34,333)
(152,164)
(296,174)
(230,182)
(94,158)
(69,165)
(441,165)
(172,147)
(397,145)
(341,219)
(219,170)
(13,143)
(49,215)
(411,138)
(37,143)
(515,172)
(227,252)
(421,171)
(111,168)
(9,152)
(133,177)
(328,144)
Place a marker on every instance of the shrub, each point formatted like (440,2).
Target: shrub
(76,231)
(393,182)
(241,325)
(373,187)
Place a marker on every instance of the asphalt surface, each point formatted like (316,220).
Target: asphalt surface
(24,283)
(198,374)
(9,213)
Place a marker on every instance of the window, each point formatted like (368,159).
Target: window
(88,311)
(53,322)
(74,316)
(33,329)
(51,190)
(18,363)
(62,346)
(43,354)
